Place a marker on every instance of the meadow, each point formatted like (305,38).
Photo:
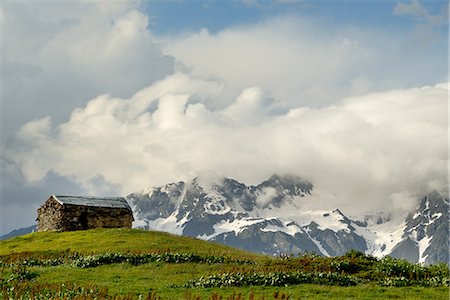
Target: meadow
(135,264)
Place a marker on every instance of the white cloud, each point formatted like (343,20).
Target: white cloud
(59,54)
(366,150)
(266,196)
(249,104)
(300,61)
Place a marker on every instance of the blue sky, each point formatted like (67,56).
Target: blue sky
(168,17)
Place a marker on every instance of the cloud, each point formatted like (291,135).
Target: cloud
(421,13)
(58,55)
(429,27)
(250,103)
(366,150)
(269,3)
(299,61)
(266,196)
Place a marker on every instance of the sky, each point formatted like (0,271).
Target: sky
(109,98)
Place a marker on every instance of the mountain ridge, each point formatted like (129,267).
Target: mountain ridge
(18,232)
(269,218)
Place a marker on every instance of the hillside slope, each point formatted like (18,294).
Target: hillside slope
(115,240)
(136,264)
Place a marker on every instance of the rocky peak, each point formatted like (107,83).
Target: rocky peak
(432,204)
(288,185)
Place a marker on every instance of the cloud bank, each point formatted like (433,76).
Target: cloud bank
(373,147)
(306,62)
(57,55)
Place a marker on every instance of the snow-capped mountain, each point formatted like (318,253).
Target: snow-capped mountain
(271,218)
(426,233)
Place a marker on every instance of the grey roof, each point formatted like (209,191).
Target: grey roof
(113,202)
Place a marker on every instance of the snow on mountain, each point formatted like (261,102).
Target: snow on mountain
(425,236)
(273,218)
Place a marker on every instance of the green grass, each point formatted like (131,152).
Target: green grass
(160,278)
(115,240)
(167,279)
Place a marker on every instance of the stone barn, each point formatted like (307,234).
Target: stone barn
(68,213)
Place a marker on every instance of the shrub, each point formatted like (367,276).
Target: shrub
(23,290)
(400,268)
(17,274)
(94,260)
(111,258)
(272,279)
(357,254)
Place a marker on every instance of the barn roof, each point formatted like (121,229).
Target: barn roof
(112,202)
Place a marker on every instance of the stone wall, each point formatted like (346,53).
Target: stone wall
(78,217)
(50,216)
(54,216)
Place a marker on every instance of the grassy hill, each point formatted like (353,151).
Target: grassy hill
(135,264)
(115,240)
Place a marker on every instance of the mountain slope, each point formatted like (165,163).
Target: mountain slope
(425,237)
(270,218)
(18,232)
